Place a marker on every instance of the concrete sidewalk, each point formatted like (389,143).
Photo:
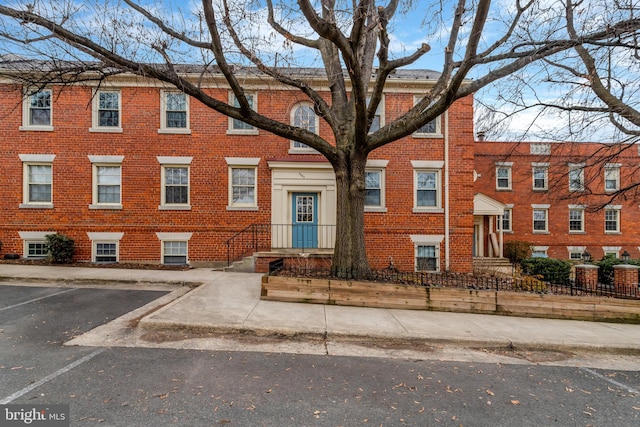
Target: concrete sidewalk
(230,302)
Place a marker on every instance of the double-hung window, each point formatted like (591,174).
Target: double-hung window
(105,247)
(540,218)
(303,116)
(374,184)
(175,183)
(427,252)
(427,185)
(540,176)
(37,111)
(505,224)
(107,182)
(243,183)
(174,248)
(431,129)
(611,177)
(612,219)
(378,119)
(174,117)
(107,111)
(237,126)
(576,219)
(37,180)
(503,175)
(576,177)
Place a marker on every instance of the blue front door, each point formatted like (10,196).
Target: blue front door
(305,220)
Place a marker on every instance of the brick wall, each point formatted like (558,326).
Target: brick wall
(593,198)
(208,144)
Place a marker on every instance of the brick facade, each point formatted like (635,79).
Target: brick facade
(75,150)
(584,217)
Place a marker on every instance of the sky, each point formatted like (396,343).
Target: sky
(423,22)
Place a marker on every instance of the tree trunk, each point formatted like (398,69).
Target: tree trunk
(350,255)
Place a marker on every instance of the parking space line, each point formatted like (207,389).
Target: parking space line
(612,381)
(48,378)
(36,299)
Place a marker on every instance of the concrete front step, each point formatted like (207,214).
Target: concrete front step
(245,265)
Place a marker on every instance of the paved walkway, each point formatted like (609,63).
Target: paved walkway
(230,302)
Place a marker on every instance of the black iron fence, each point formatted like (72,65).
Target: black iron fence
(300,237)
(531,284)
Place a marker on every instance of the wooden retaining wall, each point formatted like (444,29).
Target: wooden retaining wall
(370,294)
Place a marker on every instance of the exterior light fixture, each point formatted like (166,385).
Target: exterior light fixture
(586,256)
(625,256)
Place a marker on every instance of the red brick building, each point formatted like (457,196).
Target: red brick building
(565,198)
(135,171)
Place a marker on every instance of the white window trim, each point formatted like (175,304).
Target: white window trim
(163,114)
(95,104)
(437,133)
(544,207)
(381,109)
(302,150)
(176,162)
(544,166)
(509,167)
(173,237)
(97,161)
(378,166)
(244,163)
(542,249)
(577,208)
(615,250)
(26,109)
(101,237)
(32,237)
(618,209)
(574,167)
(35,160)
(426,240)
(612,167)
(576,249)
(230,129)
(427,166)
(508,207)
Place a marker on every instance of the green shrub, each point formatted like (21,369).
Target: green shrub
(605,270)
(517,250)
(60,248)
(549,269)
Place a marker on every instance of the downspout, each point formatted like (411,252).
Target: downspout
(447,261)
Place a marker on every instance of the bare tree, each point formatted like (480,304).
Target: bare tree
(350,41)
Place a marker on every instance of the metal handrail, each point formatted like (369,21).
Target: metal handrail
(266,237)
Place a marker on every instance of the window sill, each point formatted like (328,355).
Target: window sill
(176,131)
(36,128)
(504,189)
(375,209)
(105,207)
(303,151)
(243,132)
(427,135)
(428,210)
(36,206)
(105,129)
(242,208)
(612,232)
(540,232)
(174,208)
(540,189)
(577,232)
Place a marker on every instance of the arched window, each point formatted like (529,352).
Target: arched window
(303,116)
